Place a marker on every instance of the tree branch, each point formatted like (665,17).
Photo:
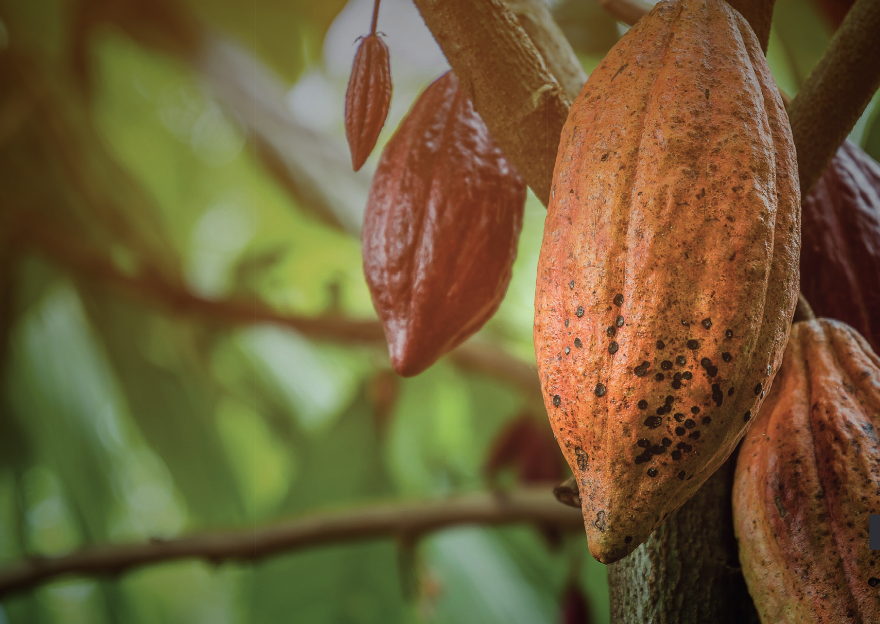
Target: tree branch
(403,520)
(506,78)
(836,92)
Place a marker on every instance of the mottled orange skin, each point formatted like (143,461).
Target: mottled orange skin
(674,202)
(441,228)
(808,477)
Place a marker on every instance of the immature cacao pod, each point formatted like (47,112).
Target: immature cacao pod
(840,252)
(367,98)
(441,228)
(807,479)
(668,271)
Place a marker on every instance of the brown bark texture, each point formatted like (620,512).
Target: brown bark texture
(688,570)
(521,102)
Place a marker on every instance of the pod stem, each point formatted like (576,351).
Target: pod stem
(375,17)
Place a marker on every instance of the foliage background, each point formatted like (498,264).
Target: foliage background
(152,147)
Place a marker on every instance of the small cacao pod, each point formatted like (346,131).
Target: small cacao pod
(441,228)
(807,478)
(840,250)
(668,270)
(528,446)
(367,98)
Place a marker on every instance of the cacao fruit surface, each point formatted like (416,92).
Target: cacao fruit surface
(441,228)
(668,270)
(367,98)
(807,478)
(840,252)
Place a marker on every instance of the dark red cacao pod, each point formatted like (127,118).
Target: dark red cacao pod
(840,252)
(441,228)
(807,479)
(367,98)
(668,270)
(527,446)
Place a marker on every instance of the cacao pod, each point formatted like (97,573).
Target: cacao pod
(441,228)
(367,98)
(529,447)
(807,478)
(840,252)
(668,270)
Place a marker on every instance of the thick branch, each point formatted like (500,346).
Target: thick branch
(508,82)
(403,520)
(836,92)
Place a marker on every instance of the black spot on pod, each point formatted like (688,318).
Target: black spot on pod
(578,343)
(652,422)
(619,321)
(643,457)
(580,312)
(661,344)
(618,299)
(567,350)
(730,391)
(676,384)
(680,360)
(613,347)
(695,435)
(669,399)
(687,375)
(729,333)
(600,390)
(643,404)
(659,377)
(706,420)
(611,332)
(663,409)
(747,417)
(581,458)
(680,431)
(571,284)
(666,365)
(758,389)
(557,400)
(677,376)
(705,362)
(642,369)
(693,344)
(695,410)
(681,475)
(874,581)
(690,424)
(717,395)
(679,417)
(600,521)
(726,356)
(566,322)
(627,539)
(658,449)
(644,443)
(676,455)
(652,472)
(666,441)
(712,371)
(706,322)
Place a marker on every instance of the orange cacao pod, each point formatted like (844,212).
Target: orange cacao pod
(807,478)
(840,252)
(668,271)
(441,228)
(367,98)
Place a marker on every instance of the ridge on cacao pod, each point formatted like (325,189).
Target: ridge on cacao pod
(441,228)
(668,270)
(807,480)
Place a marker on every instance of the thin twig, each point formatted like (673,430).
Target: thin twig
(411,519)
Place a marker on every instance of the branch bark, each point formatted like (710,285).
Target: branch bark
(403,520)
(836,92)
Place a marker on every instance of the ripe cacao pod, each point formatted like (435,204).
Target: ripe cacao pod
(807,478)
(840,251)
(441,228)
(367,98)
(668,270)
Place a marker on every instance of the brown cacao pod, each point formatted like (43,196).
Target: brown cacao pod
(807,478)
(668,271)
(441,228)
(840,252)
(367,98)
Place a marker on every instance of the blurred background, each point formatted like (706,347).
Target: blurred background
(188,343)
